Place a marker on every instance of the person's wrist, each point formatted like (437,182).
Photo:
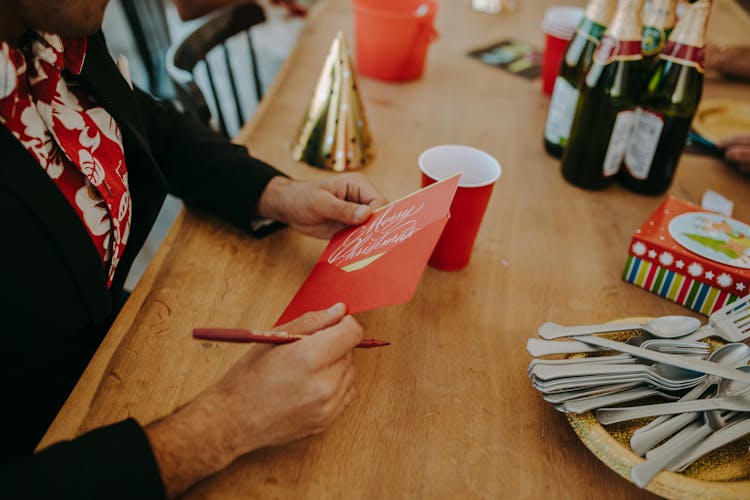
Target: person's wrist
(721,56)
(192,443)
(271,200)
(234,431)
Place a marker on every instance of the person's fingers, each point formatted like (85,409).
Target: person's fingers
(738,153)
(328,345)
(360,190)
(355,188)
(313,321)
(735,140)
(339,210)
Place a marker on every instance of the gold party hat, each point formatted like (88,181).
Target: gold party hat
(334,134)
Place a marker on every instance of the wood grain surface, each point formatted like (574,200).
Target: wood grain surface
(447,410)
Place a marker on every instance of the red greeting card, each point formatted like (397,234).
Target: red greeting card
(380,262)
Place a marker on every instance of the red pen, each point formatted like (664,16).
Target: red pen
(262,337)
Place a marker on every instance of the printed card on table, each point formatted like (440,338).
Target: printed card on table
(380,262)
(514,56)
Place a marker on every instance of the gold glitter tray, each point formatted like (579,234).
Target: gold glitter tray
(722,474)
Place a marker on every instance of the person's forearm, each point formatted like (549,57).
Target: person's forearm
(271,396)
(729,61)
(201,167)
(271,203)
(189,446)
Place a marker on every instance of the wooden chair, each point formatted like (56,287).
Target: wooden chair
(148,23)
(197,52)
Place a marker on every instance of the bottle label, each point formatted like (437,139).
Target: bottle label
(562,108)
(610,49)
(654,39)
(644,138)
(686,55)
(618,141)
(591,30)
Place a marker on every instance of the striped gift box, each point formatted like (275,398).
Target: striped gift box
(659,262)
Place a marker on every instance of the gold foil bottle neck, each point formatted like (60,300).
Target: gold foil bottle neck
(600,11)
(660,14)
(691,28)
(626,23)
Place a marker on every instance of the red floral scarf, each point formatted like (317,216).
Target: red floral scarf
(75,141)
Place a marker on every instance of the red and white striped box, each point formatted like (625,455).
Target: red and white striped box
(694,257)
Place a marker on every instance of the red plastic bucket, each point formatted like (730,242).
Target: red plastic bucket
(392,37)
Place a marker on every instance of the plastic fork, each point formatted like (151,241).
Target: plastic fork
(731,322)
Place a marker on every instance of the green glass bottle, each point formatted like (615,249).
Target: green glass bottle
(667,106)
(658,21)
(574,65)
(605,110)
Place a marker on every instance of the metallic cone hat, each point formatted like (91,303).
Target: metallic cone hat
(334,134)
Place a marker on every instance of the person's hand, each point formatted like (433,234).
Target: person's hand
(320,208)
(737,150)
(290,392)
(273,395)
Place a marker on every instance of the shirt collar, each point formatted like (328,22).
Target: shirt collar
(63,53)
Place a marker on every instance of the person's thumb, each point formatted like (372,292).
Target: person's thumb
(313,321)
(347,212)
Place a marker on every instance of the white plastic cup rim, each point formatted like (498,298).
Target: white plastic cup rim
(477,168)
(562,22)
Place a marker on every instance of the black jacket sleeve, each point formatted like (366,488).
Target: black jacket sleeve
(200,166)
(118,464)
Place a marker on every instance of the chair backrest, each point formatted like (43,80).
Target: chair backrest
(205,51)
(147,20)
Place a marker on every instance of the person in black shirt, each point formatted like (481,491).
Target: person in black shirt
(58,300)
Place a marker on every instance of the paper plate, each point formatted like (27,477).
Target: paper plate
(720,118)
(722,474)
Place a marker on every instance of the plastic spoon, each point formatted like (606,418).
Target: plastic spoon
(666,376)
(539,347)
(671,452)
(738,427)
(729,397)
(666,327)
(607,360)
(645,438)
(591,403)
(600,390)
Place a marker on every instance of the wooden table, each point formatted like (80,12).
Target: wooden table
(447,410)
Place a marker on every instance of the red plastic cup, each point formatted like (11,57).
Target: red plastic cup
(479,172)
(559,25)
(392,37)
